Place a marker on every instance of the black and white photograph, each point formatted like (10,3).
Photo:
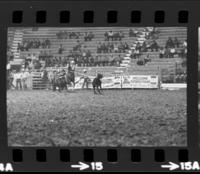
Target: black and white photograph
(96,86)
(199,80)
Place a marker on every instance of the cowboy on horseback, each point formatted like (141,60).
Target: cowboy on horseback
(62,79)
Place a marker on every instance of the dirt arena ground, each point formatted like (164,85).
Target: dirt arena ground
(80,118)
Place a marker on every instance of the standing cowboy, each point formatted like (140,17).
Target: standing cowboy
(86,79)
(24,79)
(44,76)
(71,73)
(18,77)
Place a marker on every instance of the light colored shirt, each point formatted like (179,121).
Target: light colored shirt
(18,76)
(25,75)
(8,66)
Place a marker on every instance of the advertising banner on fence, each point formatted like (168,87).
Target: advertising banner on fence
(139,81)
(111,82)
(123,81)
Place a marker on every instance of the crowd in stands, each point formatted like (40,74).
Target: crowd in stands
(46,59)
(150,33)
(105,51)
(178,78)
(113,36)
(10,55)
(151,45)
(144,60)
(174,47)
(88,36)
(61,49)
(68,35)
(34,44)
(110,47)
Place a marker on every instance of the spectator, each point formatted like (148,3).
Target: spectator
(154,46)
(91,60)
(167,53)
(116,49)
(147,59)
(121,35)
(138,47)
(61,49)
(169,43)
(132,33)
(172,52)
(90,36)
(106,60)
(185,44)
(96,61)
(86,36)
(162,53)
(110,35)
(176,42)
(144,47)
(117,60)
(100,60)
(106,36)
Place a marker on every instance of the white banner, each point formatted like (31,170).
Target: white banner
(140,81)
(111,82)
(122,81)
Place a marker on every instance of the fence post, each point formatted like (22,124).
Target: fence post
(175,72)
(159,77)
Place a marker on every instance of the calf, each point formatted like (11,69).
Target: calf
(96,83)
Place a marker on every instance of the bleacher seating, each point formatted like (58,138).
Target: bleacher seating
(68,44)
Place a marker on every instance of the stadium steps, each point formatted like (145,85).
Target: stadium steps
(17,38)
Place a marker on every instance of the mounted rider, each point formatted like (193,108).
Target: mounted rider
(61,74)
(71,67)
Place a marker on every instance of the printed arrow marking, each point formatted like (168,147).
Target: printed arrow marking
(81,166)
(171,166)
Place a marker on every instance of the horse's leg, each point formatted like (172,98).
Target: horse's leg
(54,86)
(73,85)
(98,90)
(58,86)
(66,86)
(94,90)
(101,88)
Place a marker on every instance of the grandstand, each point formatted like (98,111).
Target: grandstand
(127,64)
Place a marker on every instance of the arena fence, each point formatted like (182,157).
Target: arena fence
(120,78)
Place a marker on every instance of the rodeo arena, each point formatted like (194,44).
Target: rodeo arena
(97,86)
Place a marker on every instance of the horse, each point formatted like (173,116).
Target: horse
(70,79)
(96,83)
(58,82)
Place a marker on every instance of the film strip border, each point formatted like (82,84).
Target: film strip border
(111,13)
(88,16)
(89,155)
(111,159)
(88,13)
